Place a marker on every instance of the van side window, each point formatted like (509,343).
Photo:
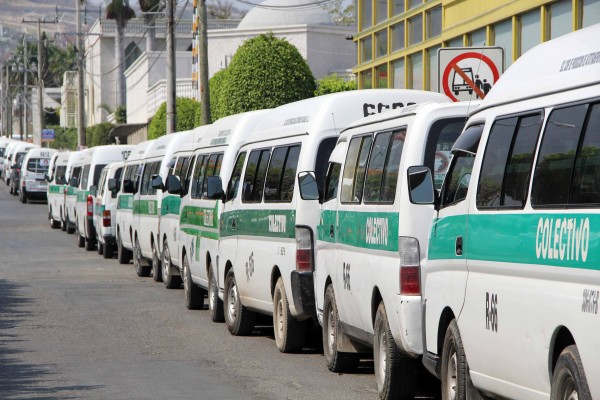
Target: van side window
(354,170)
(154,171)
(456,184)
(84,176)
(382,175)
(442,135)
(186,178)
(236,175)
(213,168)
(331,183)
(280,180)
(254,177)
(97,171)
(586,178)
(507,162)
(556,159)
(118,176)
(198,176)
(137,178)
(101,183)
(146,179)
(322,162)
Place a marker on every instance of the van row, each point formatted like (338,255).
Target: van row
(460,236)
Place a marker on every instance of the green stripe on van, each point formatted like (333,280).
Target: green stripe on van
(82,196)
(170,205)
(56,189)
(201,217)
(145,207)
(264,223)
(125,202)
(71,191)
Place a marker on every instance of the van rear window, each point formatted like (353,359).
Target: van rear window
(38,165)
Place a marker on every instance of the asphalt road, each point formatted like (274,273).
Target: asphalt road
(76,326)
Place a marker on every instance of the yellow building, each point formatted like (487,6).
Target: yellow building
(398,40)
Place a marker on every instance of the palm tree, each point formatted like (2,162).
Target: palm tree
(149,7)
(120,11)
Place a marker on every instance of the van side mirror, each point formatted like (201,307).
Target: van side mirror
(157,182)
(128,186)
(309,188)
(73,182)
(173,184)
(93,190)
(112,184)
(214,188)
(420,186)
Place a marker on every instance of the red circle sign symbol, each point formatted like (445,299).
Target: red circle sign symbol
(453,66)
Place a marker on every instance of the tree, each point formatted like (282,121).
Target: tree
(333,84)
(120,11)
(149,8)
(52,116)
(266,72)
(64,139)
(98,134)
(217,101)
(186,116)
(341,11)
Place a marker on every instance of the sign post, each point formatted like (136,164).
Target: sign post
(47,135)
(469,73)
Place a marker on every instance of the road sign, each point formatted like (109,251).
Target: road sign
(47,135)
(469,73)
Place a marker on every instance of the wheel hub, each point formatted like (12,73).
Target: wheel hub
(451,376)
(232,301)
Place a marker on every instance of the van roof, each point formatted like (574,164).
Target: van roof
(228,130)
(37,150)
(333,112)
(568,62)
(184,141)
(139,151)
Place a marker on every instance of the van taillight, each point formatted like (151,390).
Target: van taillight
(410,282)
(304,250)
(90,206)
(106,219)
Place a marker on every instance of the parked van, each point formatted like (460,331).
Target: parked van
(92,162)
(214,152)
(32,178)
(371,240)
(267,229)
(4,142)
(18,152)
(105,207)
(511,287)
(57,182)
(129,187)
(74,169)
(8,151)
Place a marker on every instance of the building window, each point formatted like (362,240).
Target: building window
(432,55)
(502,36)
(478,38)
(381,10)
(530,31)
(415,29)
(381,72)
(413,3)
(382,42)
(561,18)
(367,14)
(366,49)
(590,12)
(366,78)
(416,70)
(397,7)
(456,42)
(398,36)
(434,22)
(398,74)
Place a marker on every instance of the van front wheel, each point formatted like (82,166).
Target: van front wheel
(215,305)
(569,381)
(156,267)
(123,255)
(138,261)
(239,320)
(194,296)
(337,361)
(395,373)
(289,332)
(171,281)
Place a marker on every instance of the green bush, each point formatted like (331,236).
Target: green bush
(217,97)
(64,139)
(333,84)
(99,134)
(265,72)
(186,115)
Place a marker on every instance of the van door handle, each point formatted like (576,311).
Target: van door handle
(232,223)
(331,231)
(459,246)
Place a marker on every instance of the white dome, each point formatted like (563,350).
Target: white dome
(286,12)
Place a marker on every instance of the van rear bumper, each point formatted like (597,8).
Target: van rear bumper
(109,239)
(303,295)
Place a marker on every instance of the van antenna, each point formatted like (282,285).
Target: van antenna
(333,119)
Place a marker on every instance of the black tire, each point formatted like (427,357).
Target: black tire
(568,379)
(215,305)
(156,267)
(54,224)
(396,374)
(290,333)
(239,320)
(456,382)
(123,255)
(194,296)
(141,269)
(337,361)
(100,247)
(23,196)
(63,223)
(171,281)
(70,226)
(90,243)
(80,239)
(108,250)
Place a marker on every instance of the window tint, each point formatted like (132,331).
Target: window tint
(198,176)
(76,174)
(254,178)
(137,178)
(586,178)
(146,179)
(456,183)
(322,162)
(118,176)
(382,176)
(438,150)
(37,165)
(154,172)
(236,175)
(84,177)
(355,168)
(331,183)
(213,169)
(60,172)
(554,169)
(282,171)
(101,182)
(97,170)
(186,171)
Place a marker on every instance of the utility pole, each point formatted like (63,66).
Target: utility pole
(24,99)
(171,76)
(80,86)
(203,54)
(9,132)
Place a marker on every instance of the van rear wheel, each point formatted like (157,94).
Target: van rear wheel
(63,223)
(100,247)
(80,239)
(290,333)
(23,196)
(108,250)
(194,296)
(54,224)
(395,373)
(138,261)
(568,380)
(156,267)
(337,361)
(123,255)
(215,305)
(239,320)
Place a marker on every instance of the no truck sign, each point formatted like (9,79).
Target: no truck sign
(469,73)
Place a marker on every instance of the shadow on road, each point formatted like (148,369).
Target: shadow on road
(19,379)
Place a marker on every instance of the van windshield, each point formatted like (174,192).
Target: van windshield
(2,151)
(38,165)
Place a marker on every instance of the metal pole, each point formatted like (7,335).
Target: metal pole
(24,99)
(2,108)
(40,82)
(9,127)
(203,54)
(80,87)
(171,76)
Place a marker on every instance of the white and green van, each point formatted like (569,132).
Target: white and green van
(105,207)
(32,179)
(510,297)
(74,169)
(267,230)
(57,183)
(214,152)
(4,142)
(129,188)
